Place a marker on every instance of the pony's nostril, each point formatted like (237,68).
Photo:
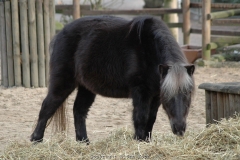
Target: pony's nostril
(181,133)
(179,129)
(174,129)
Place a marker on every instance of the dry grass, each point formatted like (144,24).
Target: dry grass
(221,141)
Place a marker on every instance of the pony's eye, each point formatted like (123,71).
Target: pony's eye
(184,92)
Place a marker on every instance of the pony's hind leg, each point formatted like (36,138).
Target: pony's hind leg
(152,116)
(82,103)
(57,94)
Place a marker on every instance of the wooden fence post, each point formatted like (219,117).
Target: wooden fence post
(16,43)
(52,18)
(46,36)
(76,9)
(186,21)
(206,29)
(208,107)
(24,43)
(40,43)
(3,46)
(171,18)
(1,43)
(33,43)
(8,21)
(26,28)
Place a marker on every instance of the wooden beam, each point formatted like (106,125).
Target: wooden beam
(40,43)
(33,43)
(225,22)
(220,105)
(223,42)
(217,32)
(206,29)
(9,40)
(52,17)
(70,7)
(214,107)
(46,37)
(175,25)
(117,12)
(85,10)
(226,39)
(186,21)
(154,11)
(215,45)
(24,43)
(3,46)
(224,14)
(208,107)
(76,9)
(171,18)
(226,87)
(16,43)
(217,5)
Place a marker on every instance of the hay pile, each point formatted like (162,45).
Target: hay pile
(220,141)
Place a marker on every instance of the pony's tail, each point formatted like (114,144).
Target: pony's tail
(59,119)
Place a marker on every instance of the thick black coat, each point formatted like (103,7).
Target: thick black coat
(112,57)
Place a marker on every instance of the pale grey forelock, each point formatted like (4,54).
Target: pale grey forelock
(177,80)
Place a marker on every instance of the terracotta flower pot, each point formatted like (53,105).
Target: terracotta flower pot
(192,53)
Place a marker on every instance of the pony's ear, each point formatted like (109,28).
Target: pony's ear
(190,69)
(163,70)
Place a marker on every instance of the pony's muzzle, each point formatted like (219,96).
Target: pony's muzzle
(179,128)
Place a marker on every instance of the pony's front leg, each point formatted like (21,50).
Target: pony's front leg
(141,104)
(152,115)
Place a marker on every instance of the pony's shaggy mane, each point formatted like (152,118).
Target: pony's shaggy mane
(177,80)
(167,49)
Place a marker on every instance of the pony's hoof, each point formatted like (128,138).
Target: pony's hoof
(35,140)
(86,141)
(146,139)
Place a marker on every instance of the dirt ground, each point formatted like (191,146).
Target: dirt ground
(19,109)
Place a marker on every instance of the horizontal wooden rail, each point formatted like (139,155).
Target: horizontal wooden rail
(215,45)
(175,25)
(224,39)
(86,11)
(132,12)
(223,42)
(226,22)
(224,14)
(217,32)
(70,7)
(217,5)
(221,100)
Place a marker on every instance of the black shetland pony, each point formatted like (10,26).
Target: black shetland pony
(113,57)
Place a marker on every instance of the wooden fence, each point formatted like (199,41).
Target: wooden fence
(208,19)
(26,27)
(86,11)
(222,100)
